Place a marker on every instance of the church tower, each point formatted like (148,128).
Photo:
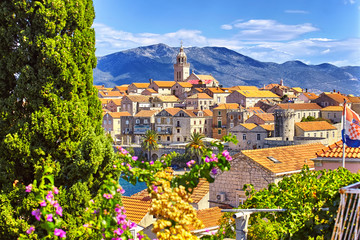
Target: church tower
(181,67)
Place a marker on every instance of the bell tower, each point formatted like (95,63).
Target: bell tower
(181,67)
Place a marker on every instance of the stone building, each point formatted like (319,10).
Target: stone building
(300,109)
(137,88)
(331,99)
(220,119)
(162,87)
(163,101)
(249,136)
(164,122)
(321,129)
(112,124)
(181,89)
(261,118)
(135,103)
(333,113)
(199,101)
(114,105)
(181,67)
(259,167)
(218,94)
(143,121)
(248,98)
(307,97)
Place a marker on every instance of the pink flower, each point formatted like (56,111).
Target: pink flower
(30,230)
(151,162)
(134,158)
(207,159)
(28,188)
(59,232)
(107,195)
(119,231)
(114,166)
(50,196)
(120,190)
(43,203)
(37,214)
(214,171)
(132,225)
(86,225)
(56,190)
(49,217)
(155,188)
(191,162)
(59,211)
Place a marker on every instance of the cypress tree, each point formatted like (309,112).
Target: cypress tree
(50,112)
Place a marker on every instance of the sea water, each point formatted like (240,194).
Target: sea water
(131,189)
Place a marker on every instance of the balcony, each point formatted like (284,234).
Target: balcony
(164,132)
(141,129)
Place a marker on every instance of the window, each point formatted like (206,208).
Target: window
(219,113)
(219,124)
(137,121)
(328,115)
(231,117)
(178,139)
(200,102)
(321,134)
(218,99)
(168,138)
(219,131)
(109,121)
(239,117)
(159,138)
(333,134)
(200,130)
(178,130)
(244,136)
(298,115)
(200,122)
(145,121)
(168,120)
(314,134)
(258,137)
(231,125)
(334,115)
(127,122)
(158,120)
(159,129)
(194,122)
(327,134)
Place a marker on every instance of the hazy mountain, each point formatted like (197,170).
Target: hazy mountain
(227,66)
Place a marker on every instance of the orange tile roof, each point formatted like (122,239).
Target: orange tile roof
(210,217)
(136,209)
(141,85)
(172,111)
(200,191)
(297,89)
(333,109)
(354,99)
(336,151)
(249,126)
(121,88)
(105,100)
(315,126)
(310,95)
(337,97)
(257,93)
(150,90)
(268,127)
(270,86)
(116,101)
(299,106)
(119,114)
(216,90)
(165,84)
(146,113)
(200,95)
(185,84)
(292,158)
(111,94)
(198,89)
(228,106)
(189,112)
(244,88)
(208,112)
(267,117)
(138,98)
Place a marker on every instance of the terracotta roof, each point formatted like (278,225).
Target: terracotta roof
(315,126)
(185,84)
(136,209)
(257,93)
(146,113)
(99,86)
(105,100)
(333,109)
(249,126)
(141,85)
(116,101)
(336,151)
(199,90)
(299,106)
(167,98)
(267,117)
(121,88)
(297,89)
(216,90)
(310,95)
(111,94)
(138,98)
(210,217)
(291,158)
(200,191)
(165,84)
(255,110)
(189,112)
(268,127)
(243,88)
(354,99)
(208,112)
(200,95)
(337,97)
(270,86)
(119,114)
(172,111)
(228,106)
(150,90)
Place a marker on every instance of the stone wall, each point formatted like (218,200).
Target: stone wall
(243,171)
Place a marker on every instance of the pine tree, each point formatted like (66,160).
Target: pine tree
(49,111)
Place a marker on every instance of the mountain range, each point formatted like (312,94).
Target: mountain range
(230,68)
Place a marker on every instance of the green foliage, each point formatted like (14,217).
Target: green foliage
(196,147)
(149,142)
(311,119)
(303,194)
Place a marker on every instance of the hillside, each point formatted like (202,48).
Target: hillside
(229,67)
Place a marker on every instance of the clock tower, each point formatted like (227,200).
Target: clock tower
(181,67)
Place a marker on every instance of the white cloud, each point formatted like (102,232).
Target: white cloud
(297,11)
(226,27)
(311,50)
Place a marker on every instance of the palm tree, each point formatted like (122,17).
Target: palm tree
(196,146)
(150,142)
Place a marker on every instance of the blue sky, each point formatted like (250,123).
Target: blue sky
(312,31)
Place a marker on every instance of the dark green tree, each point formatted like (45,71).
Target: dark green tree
(196,146)
(50,114)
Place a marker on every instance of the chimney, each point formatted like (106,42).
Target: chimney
(305,89)
(281,82)
(150,80)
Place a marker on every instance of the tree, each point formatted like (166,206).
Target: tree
(50,114)
(196,146)
(150,142)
